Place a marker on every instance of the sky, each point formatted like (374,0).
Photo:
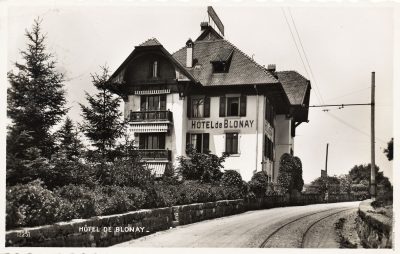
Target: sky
(343,45)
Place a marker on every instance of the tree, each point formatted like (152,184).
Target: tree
(389,150)
(205,167)
(345,183)
(362,173)
(36,99)
(69,144)
(103,122)
(290,176)
(321,185)
(298,181)
(259,183)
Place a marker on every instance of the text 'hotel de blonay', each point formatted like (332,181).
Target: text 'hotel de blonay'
(213,96)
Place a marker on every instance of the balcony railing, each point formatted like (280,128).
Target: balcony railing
(150,116)
(155,154)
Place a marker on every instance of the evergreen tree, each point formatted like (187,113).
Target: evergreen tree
(389,150)
(103,122)
(36,99)
(69,145)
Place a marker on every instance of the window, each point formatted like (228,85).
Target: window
(152,141)
(155,69)
(220,67)
(153,102)
(269,113)
(199,107)
(232,143)
(268,148)
(198,141)
(232,106)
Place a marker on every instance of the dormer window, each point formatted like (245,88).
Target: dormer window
(222,60)
(220,67)
(155,69)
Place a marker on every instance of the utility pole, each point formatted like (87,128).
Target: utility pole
(326,159)
(373,182)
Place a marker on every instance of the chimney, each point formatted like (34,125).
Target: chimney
(189,53)
(204,25)
(271,67)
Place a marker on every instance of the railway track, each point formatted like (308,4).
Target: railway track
(265,242)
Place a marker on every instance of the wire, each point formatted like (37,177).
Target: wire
(295,43)
(346,94)
(305,56)
(353,127)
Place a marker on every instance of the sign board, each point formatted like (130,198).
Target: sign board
(323,173)
(213,15)
(224,124)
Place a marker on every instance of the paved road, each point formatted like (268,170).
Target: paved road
(290,227)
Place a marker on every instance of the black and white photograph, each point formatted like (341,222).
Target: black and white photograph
(177,124)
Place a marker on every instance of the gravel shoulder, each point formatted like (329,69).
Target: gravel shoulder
(346,231)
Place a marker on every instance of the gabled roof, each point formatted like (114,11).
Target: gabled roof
(152,43)
(243,70)
(295,86)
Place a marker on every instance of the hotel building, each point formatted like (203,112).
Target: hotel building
(211,95)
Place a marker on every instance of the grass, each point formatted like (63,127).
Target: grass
(343,241)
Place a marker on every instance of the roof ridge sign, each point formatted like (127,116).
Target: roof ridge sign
(214,17)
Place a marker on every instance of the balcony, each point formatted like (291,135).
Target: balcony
(151,116)
(155,154)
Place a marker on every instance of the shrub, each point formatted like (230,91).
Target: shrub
(231,178)
(31,205)
(259,183)
(160,194)
(194,192)
(204,167)
(116,199)
(82,198)
(62,171)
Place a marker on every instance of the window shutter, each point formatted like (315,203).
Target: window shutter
(150,74)
(189,106)
(187,140)
(222,104)
(141,141)
(158,69)
(243,100)
(142,103)
(206,142)
(161,141)
(207,107)
(163,102)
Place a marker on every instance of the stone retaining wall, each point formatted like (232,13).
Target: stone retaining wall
(109,230)
(186,214)
(374,229)
(94,232)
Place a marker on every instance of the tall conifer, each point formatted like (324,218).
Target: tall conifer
(103,123)
(36,98)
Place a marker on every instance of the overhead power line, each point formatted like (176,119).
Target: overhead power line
(340,105)
(305,56)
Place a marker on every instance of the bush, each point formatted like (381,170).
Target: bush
(82,199)
(231,178)
(61,172)
(259,183)
(116,199)
(193,192)
(160,194)
(204,167)
(31,205)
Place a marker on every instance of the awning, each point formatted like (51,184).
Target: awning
(140,127)
(161,91)
(157,169)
